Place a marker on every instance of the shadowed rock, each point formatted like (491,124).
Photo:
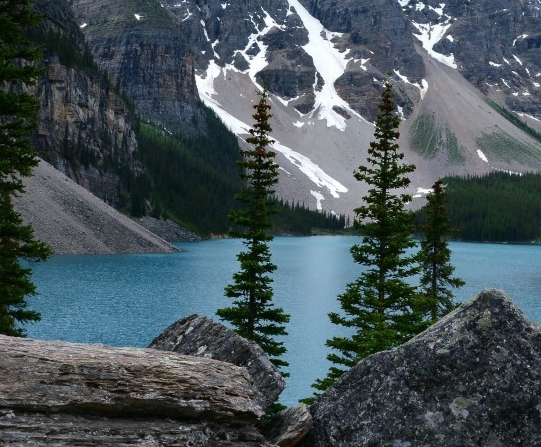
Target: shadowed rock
(59,393)
(474,378)
(202,337)
(288,427)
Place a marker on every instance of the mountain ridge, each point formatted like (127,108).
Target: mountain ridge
(453,66)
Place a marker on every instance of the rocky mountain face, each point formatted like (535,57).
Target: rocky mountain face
(85,129)
(471,379)
(466,76)
(137,44)
(457,69)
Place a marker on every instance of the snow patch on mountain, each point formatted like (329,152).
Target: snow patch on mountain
(429,34)
(319,197)
(482,156)
(207,93)
(423,88)
(329,63)
(311,170)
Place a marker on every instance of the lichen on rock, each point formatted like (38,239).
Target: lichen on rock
(474,378)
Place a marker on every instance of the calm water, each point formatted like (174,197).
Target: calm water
(127,300)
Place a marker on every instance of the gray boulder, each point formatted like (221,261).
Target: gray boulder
(65,394)
(288,427)
(202,337)
(474,378)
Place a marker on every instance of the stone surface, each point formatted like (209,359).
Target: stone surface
(288,427)
(474,378)
(59,393)
(84,126)
(202,337)
(140,48)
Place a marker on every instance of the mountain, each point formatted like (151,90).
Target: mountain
(466,75)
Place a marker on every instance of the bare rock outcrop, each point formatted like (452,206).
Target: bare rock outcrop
(202,337)
(59,393)
(474,378)
(288,427)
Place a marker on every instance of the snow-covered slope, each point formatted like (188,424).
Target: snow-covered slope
(325,63)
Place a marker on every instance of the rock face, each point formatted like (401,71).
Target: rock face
(288,427)
(201,337)
(148,59)
(58,393)
(474,378)
(85,129)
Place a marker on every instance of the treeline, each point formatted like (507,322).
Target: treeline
(195,180)
(498,207)
(64,47)
(297,219)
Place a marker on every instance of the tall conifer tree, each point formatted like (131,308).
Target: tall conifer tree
(437,278)
(380,306)
(253,314)
(18,118)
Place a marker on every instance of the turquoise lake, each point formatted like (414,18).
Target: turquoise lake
(127,300)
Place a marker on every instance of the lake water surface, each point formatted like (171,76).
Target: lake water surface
(127,300)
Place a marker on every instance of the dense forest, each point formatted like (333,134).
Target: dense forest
(195,181)
(498,207)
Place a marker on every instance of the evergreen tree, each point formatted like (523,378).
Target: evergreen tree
(16,242)
(380,306)
(435,256)
(18,115)
(253,315)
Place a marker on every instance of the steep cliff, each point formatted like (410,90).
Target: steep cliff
(85,128)
(146,57)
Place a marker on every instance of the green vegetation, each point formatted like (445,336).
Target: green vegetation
(18,119)
(498,207)
(455,151)
(253,314)
(63,46)
(194,178)
(381,307)
(514,119)
(297,219)
(426,135)
(435,257)
(503,147)
(428,139)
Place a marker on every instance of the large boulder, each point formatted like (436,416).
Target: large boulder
(200,336)
(474,378)
(59,393)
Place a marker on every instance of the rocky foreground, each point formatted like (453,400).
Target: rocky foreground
(474,378)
